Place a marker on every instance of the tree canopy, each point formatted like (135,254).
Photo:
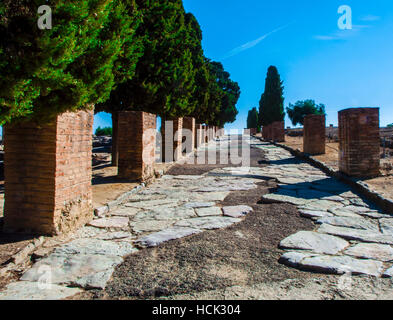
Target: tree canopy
(115,54)
(72,66)
(252,118)
(271,105)
(224,99)
(297,112)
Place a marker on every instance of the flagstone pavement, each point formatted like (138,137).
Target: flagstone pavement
(350,236)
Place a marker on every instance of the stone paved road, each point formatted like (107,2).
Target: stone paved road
(350,235)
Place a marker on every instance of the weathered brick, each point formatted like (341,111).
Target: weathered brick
(278,131)
(38,159)
(359,142)
(314,134)
(189,133)
(136,145)
(172,139)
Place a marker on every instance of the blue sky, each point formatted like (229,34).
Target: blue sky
(316,60)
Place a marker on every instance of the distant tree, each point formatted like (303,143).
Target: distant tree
(271,105)
(107,131)
(252,118)
(228,95)
(300,109)
(390,125)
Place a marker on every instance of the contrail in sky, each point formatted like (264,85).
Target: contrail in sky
(253,43)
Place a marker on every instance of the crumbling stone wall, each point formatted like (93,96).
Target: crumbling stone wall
(359,142)
(48,171)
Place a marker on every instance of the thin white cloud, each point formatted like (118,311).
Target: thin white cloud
(253,43)
(342,34)
(370,18)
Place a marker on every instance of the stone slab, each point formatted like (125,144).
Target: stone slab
(208,223)
(26,290)
(206,212)
(381,252)
(341,265)
(110,223)
(313,241)
(236,211)
(155,239)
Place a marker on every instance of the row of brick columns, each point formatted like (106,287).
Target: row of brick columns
(274,132)
(48,168)
(359,139)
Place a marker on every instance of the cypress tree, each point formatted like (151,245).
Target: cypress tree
(69,67)
(230,94)
(271,105)
(164,75)
(252,118)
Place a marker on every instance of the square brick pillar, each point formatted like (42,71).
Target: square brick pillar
(206,133)
(267,132)
(48,171)
(172,140)
(359,137)
(198,135)
(314,134)
(189,133)
(136,145)
(253,131)
(278,131)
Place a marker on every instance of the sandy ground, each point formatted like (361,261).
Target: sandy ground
(382,184)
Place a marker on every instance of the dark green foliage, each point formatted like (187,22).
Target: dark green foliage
(72,66)
(224,96)
(164,75)
(390,125)
(107,131)
(271,105)
(300,109)
(252,118)
(199,100)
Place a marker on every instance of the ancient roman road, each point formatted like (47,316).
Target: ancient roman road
(210,226)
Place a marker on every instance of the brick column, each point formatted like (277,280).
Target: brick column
(267,132)
(205,134)
(198,135)
(189,133)
(253,131)
(314,134)
(359,142)
(136,145)
(48,171)
(171,142)
(278,131)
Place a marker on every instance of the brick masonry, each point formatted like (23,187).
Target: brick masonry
(198,135)
(267,132)
(314,134)
(136,145)
(278,131)
(359,137)
(172,138)
(48,171)
(189,133)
